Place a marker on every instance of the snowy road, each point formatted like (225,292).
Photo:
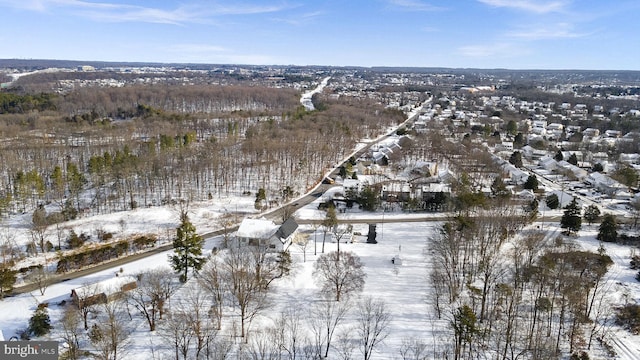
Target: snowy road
(305,100)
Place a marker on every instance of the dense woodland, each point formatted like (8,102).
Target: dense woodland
(149,145)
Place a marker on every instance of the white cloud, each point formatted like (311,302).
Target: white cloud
(413,5)
(540,32)
(529,5)
(301,19)
(115,12)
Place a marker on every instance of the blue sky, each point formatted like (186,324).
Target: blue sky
(514,34)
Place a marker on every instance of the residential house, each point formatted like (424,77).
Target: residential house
(629,158)
(613,133)
(590,132)
(548,163)
(604,184)
(265,233)
(539,127)
(396,191)
(351,186)
(505,146)
(573,170)
(516,176)
(434,196)
(532,153)
(103,291)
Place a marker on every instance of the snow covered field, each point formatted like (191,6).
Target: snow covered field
(403,287)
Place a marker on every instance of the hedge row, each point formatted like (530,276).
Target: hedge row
(103,253)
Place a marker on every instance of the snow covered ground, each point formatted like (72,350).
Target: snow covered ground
(403,287)
(306,99)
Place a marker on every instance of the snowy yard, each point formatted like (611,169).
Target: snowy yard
(403,285)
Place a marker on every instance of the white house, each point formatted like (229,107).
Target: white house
(265,233)
(604,183)
(517,176)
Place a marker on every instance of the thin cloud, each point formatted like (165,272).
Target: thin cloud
(528,5)
(413,5)
(301,19)
(501,50)
(112,12)
(559,31)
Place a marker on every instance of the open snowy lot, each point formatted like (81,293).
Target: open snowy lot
(402,285)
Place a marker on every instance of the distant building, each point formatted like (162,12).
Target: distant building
(86,68)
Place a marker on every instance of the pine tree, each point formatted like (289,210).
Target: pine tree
(571,218)
(40,323)
(187,248)
(516,159)
(552,201)
(591,214)
(7,280)
(608,229)
(573,159)
(531,183)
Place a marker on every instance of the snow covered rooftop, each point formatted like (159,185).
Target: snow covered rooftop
(257,229)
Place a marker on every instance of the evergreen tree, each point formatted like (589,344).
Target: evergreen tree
(571,218)
(368,199)
(608,229)
(40,323)
(187,248)
(518,141)
(531,210)
(598,167)
(7,280)
(591,214)
(552,201)
(531,183)
(559,156)
(465,329)
(573,159)
(516,159)
(499,189)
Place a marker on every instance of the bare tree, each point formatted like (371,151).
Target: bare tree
(41,277)
(245,286)
(226,222)
(154,288)
(212,279)
(9,250)
(325,317)
(195,305)
(413,349)
(288,333)
(338,275)
(70,332)
(302,242)
(178,331)
(345,344)
(328,223)
(340,232)
(110,335)
(261,346)
(87,297)
(372,324)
